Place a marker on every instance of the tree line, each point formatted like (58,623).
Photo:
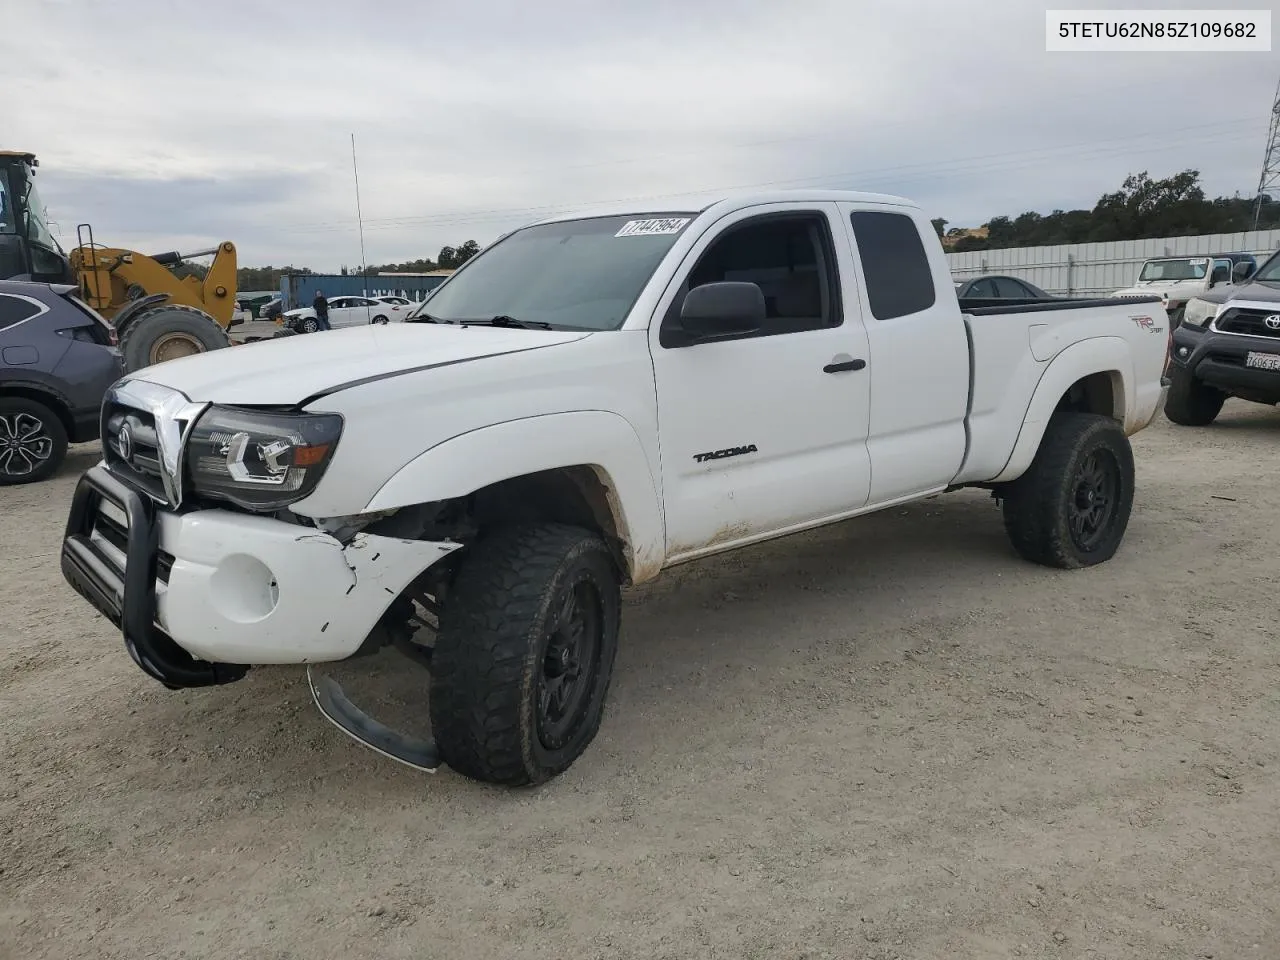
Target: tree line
(268,277)
(1142,208)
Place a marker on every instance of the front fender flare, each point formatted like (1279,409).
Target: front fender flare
(1096,355)
(603,441)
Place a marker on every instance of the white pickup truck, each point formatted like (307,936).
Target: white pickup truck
(590,400)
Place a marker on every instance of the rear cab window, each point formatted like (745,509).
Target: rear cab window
(895,265)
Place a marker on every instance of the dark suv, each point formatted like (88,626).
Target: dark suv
(57,359)
(1228,345)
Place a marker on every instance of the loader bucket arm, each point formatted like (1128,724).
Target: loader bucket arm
(115,276)
(220,285)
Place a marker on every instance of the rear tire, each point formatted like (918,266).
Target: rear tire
(33,441)
(1071,508)
(379,319)
(1191,403)
(168,332)
(524,654)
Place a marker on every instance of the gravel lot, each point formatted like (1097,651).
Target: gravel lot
(888,738)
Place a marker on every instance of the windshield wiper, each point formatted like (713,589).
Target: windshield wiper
(502,320)
(427,318)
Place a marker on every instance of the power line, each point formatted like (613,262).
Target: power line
(961,164)
(865,178)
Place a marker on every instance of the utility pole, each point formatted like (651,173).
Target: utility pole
(1270,176)
(364,264)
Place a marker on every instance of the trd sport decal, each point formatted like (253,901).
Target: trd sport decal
(725,453)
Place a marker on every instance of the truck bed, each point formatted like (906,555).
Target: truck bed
(1006,364)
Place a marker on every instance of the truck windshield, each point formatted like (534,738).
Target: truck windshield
(1192,268)
(1269,272)
(572,275)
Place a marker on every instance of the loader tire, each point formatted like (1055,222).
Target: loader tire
(1071,508)
(167,332)
(524,655)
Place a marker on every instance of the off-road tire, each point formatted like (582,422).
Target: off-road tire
(1039,505)
(149,328)
(1191,403)
(491,651)
(51,430)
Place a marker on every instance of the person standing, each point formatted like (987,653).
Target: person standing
(321,306)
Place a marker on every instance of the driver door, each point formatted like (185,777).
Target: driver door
(764,431)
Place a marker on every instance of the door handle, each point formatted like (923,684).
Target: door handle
(836,366)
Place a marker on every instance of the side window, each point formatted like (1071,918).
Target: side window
(983,289)
(1007,287)
(13,311)
(894,262)
(789,257)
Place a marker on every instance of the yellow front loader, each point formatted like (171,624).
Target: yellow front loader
(158,315)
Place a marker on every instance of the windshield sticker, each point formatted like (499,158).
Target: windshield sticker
(1199,262)
(652,228)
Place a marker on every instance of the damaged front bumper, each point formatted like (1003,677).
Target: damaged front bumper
(201,596)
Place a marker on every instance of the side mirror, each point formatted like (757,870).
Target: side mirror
(722,309)
(1220,275)
(1242,271)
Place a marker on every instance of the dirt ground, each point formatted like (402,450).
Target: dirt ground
(888,738)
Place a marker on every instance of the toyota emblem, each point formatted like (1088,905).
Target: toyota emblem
(124,442)
(1273,321)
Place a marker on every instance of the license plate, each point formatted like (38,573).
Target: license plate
(1262,361)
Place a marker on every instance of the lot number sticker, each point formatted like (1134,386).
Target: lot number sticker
(652,228)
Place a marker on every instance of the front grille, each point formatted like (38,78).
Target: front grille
(136,461)
(1252,323)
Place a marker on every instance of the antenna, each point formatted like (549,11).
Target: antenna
(364,264)
(1270,176)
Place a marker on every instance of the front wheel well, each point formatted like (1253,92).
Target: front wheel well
(1101,393)
(45,399)
(576,495)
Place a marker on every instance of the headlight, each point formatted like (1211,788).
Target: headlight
(1198,312)
(260,460)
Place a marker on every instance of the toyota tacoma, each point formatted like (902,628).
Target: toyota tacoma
(591,400)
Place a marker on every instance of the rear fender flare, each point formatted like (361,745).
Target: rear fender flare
(603,441)
(1095,355)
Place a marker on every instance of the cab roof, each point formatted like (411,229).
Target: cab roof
(701,203)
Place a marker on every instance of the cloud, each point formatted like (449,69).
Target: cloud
(165,126)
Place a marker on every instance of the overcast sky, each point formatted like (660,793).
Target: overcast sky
(176,123)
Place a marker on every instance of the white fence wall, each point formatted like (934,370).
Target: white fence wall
(1098,269)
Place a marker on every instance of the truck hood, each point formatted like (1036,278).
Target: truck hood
(1256,291)
(289,370)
